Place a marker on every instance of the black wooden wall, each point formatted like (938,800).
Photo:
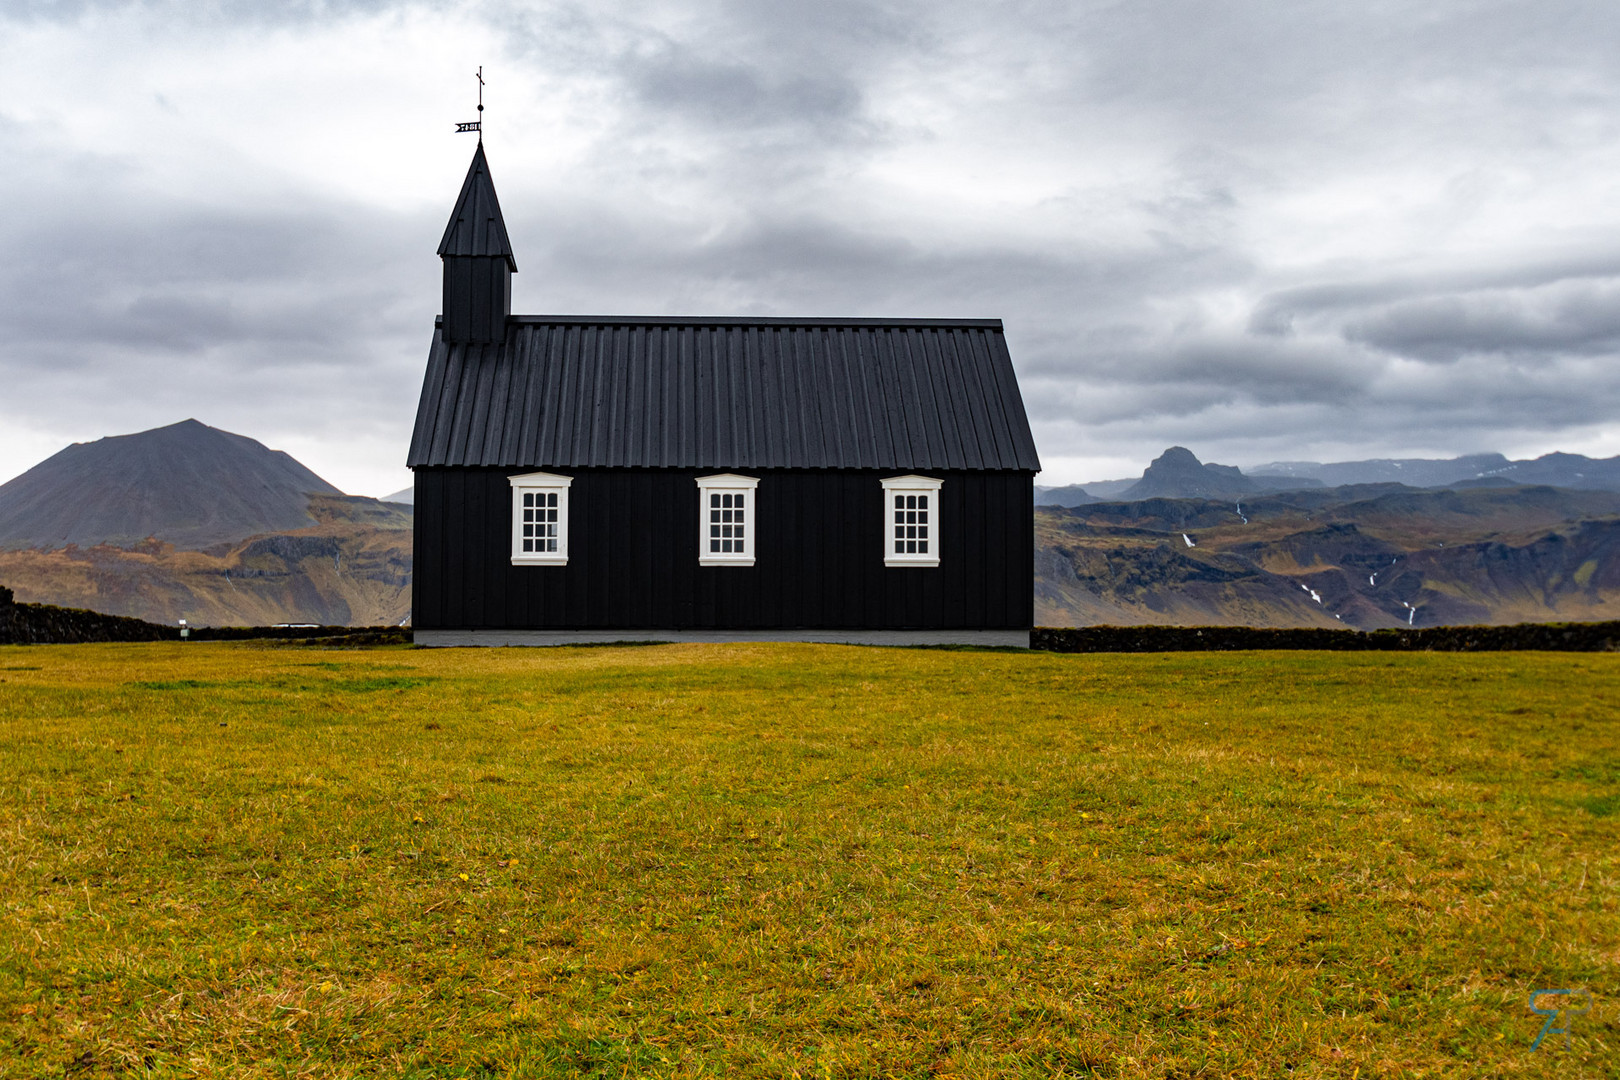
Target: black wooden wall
(477,298)
(633,555)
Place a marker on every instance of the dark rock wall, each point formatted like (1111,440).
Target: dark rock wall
(42,624)
(1555,637)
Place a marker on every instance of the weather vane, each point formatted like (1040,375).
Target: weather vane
(478,124)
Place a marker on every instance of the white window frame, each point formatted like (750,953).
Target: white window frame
(901,487)
(540,483)
(720,485)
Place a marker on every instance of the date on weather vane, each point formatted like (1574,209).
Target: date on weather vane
(478,124)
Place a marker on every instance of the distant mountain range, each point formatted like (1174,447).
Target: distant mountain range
(1177,473)
(191,522)
(1365,556)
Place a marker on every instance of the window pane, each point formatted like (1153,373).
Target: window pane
(714,530)
(528,545)
(739,501)
(899,502)
(922,547)
(922,502)
(714,499)
(528,498)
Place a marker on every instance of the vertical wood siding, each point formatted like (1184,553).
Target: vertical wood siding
(633,556)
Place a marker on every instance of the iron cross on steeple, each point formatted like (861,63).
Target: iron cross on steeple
(477,125)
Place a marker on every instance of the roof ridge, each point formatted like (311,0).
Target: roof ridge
(750,320)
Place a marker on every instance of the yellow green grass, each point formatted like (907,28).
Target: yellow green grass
(783,860)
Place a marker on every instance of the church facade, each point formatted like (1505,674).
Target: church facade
(587,479)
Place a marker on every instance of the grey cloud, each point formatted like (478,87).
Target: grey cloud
(132,274)
(677,80)
(1571,317)
(1277,311)
(1533,311)
(211,12)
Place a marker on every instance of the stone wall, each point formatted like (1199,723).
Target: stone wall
(1559,637)
(43,624)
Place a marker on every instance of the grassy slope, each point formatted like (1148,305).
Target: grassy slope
(783,860)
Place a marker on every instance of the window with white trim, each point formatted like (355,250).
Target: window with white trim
(726,520)
(911,508)
(540,519)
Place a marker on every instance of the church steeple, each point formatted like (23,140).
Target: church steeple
(478,262)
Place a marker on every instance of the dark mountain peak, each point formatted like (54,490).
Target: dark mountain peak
(1178,474)
(1067,495)
(186,483)
(1176,457)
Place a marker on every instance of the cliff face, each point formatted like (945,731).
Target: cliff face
(1366,557)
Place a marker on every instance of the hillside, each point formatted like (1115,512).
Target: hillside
(1365,556)
(188,485)
(351,566)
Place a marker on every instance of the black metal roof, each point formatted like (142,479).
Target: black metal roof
(914,394)
(476,226)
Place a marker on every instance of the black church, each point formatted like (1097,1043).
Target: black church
(607,478)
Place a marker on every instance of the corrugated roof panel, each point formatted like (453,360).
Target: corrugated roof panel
(962,417)
(727,394)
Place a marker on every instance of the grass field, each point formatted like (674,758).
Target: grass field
(787,860)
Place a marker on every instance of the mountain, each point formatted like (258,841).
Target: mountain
(1364,556)
(1557,470)
(188,484)
(190,522)
(1177,473)
(1070,495)
(406,497)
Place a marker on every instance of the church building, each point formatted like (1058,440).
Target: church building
(609,478)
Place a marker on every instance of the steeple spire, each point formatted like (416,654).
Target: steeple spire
(478,261)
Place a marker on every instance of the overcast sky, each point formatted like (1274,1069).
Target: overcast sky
(1262,229)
